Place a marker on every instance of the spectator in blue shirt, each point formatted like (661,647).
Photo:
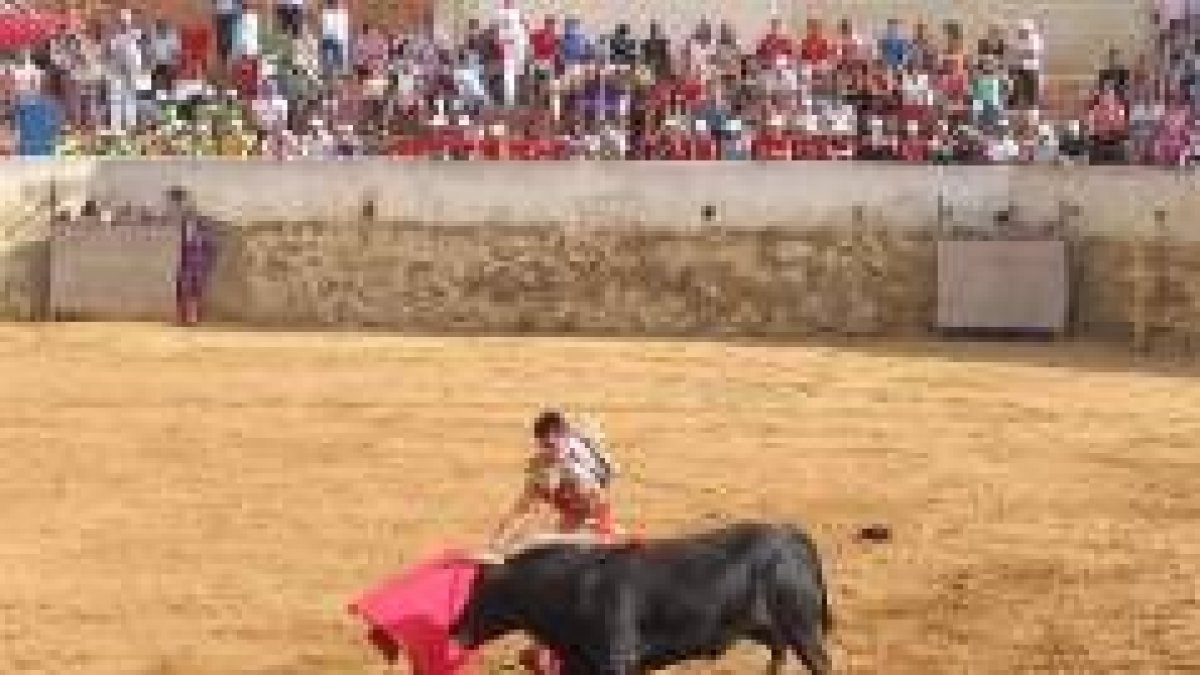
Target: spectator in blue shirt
(38,121)
(575,49)
(894,48)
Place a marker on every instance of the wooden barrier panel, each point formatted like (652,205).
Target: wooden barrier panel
(121,272)
(1003,285)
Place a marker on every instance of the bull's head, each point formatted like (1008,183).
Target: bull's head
(493,610)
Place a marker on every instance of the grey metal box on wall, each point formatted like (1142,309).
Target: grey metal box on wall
(1003,285)
(119,272)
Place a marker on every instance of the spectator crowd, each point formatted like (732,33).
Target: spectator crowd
(294,79)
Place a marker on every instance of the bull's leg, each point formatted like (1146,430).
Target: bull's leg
(778,665)
(811,650)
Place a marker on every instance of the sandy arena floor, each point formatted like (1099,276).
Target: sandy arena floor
(206,502)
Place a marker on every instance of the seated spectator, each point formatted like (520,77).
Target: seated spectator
(1108,129)
(1145,118)
(771,143)
(1002,147)
(1046,150)
(1172,139)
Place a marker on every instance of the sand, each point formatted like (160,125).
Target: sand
(207,501)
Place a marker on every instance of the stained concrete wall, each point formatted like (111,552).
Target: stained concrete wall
(624,247)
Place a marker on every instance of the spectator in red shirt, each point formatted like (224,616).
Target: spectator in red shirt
(1108,125)
(675,144)
(496,145)
(704,145)
(775,43)
(815,48)
(543,44)
(771,144)
(195,43)
(914,147)
(852,49)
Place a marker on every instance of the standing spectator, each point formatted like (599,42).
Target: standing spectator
(894,48)
(8,136)
(126,72)
(544,44)
(993,45)
(728,57)
(575,48)
(698,51)
(38,124)
(27,78)
(774,44)
(513,40)
(1028,52)
(989,90)
(370,50)
(925,52)
(85,72)
(290,15)
(196,43)
(164,55)
(247,44)
(624,48)
(656,52)
(335,37)
(853,49)
(226,14)
(816,50)
(1115,76)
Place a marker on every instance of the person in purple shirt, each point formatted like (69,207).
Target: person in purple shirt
(195,263)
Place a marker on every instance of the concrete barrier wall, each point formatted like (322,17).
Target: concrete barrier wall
(627,247)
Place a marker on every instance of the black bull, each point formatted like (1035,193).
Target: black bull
(623,611)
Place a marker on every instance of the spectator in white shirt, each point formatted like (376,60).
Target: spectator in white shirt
(514,45)
(1027,53)
(126,75)
(246,44)
(27,78)
(225,20)
(335,37)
